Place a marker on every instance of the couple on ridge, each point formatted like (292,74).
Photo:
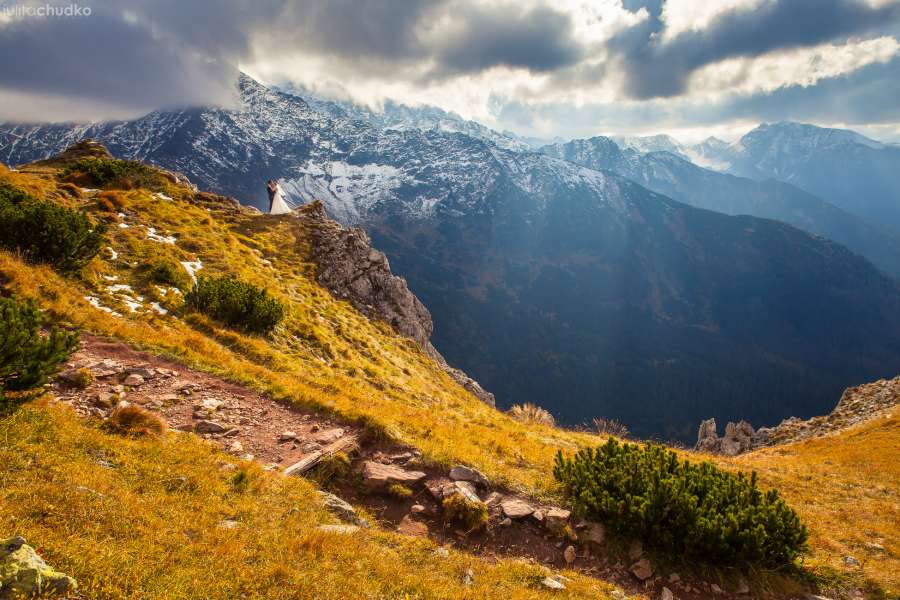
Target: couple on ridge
(277,203)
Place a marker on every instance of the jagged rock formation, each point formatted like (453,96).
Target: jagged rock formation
(857,404)
(351,268)
(739,437)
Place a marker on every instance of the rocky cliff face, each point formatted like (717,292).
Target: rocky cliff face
(857,404)
(351,268)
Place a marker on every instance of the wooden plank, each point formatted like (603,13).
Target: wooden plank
(348,443)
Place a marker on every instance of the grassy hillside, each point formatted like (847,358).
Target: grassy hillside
(135,533)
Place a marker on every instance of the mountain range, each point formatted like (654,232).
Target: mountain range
(557,277)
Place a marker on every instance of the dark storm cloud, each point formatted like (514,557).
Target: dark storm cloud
(538,40)
(105,58)
(660,69)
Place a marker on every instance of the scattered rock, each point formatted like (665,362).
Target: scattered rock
(466,489)
(329,435)
(142,372)
(463,473)
(25,574)
(416,509)
(506,522)
(851,562)
(236,447)
(493,499)
(206,426)
(514,508)
(442,552)
(595,532)
(343,509)
(287,436)
(635,550)
(742,587)
(553,584)
(642,569)
(105,400)
(674,577)
(715,589)
(666,594)
(133,380)
(469,577)
(569,554)
(377,475)
(339,529)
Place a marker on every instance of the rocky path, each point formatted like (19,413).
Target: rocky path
(391,482)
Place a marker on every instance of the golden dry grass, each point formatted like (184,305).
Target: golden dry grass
(846,488)
(161,518)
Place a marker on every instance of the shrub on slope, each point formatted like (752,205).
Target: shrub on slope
(693,510)
(236,303)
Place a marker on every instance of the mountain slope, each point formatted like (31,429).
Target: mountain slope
(550,282)
(171,518)
(855,173)
(678,178)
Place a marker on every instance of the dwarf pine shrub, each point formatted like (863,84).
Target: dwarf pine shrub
(45,232)
(27,359)
(113,173)
(236,303)
(696,511)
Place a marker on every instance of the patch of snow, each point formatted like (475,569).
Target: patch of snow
(163,239)
(113,255)
(155,306)
(124,225)
(192,268)
(95,302)
(89,190)
(110,277)
(161,196)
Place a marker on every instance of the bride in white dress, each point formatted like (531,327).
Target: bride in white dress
(277,203)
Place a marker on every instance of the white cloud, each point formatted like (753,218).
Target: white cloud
(802,66)
(684,16)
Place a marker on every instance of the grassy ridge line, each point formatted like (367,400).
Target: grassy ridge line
(326,355)
(137,519)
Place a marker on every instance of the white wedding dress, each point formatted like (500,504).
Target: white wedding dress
(279,204)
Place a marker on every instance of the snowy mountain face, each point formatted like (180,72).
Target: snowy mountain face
(550,281)
(857,174)
(652,143)
(678,178)
(401,117)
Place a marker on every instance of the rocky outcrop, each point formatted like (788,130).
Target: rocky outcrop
(857,404)
(739,437)
(351,268)
(24,574)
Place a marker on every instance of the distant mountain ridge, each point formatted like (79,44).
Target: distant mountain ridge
(551,282)
(679,178)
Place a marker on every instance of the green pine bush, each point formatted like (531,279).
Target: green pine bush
(27,358)
(696,511)
(45,232)
(236,303)
(167,272)
(112,173)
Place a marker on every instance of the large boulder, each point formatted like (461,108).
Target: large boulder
(708,437)
(24,574)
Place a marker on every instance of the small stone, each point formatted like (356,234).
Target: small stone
(232,432)
(493,499)
(550,583)
(642,569)
(514,508)
(442,552)
(330,435)
(105,400)
(742,587)
(466,489)
(236,447)
(851,562)
(343,509)
(506,522)
(339,529)
(416,509)
(469,577)
(228,524)
(538,516)
(569,554)
(464,473)
(206,426)
(310,447)
(636,550)
(674,577)
(133,380)
(557,514)
(287,436)
(377,475)
(595,533)
(666,594)
(715,589)
(142,372)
